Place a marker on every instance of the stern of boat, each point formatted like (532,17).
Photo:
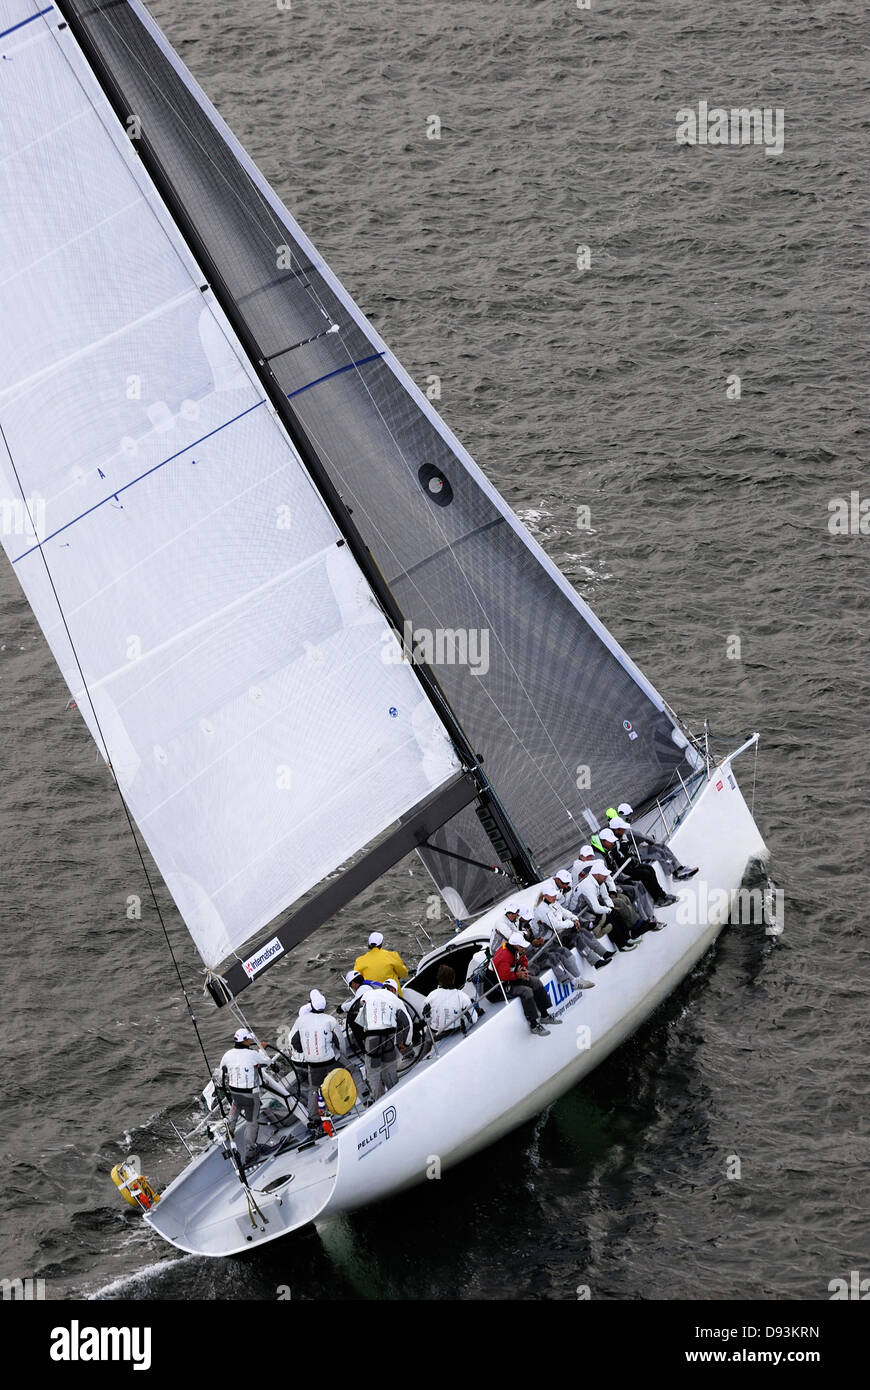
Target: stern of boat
(208,1211)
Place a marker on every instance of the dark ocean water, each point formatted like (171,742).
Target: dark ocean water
(709,521)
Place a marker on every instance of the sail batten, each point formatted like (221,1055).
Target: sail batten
(220,639)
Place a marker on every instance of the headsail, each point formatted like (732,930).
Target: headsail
(218,635)
(562,717)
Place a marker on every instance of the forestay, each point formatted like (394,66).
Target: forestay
(208,617)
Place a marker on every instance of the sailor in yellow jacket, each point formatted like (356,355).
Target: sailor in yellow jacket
(380,965)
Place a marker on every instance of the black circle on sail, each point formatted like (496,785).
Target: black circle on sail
(435,485)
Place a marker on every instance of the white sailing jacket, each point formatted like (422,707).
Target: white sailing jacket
(446,1007)
(317,1034)
(381,1010)
(595,895)
(500,933)
(550,918)
(241,1065)
(574,900)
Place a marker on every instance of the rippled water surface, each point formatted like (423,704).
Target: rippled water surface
(709,521)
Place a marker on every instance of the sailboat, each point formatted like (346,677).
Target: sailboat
(245,533)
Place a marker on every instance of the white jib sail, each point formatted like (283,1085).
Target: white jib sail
(222,644)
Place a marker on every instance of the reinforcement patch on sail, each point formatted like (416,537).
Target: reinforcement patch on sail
(562,717)
(217,634)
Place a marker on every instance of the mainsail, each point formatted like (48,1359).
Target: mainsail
(562,718)
(205,610)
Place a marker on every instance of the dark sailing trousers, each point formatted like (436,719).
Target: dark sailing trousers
(317,1074)
(532,995)
(646,874)
(382,1061)
(618,928)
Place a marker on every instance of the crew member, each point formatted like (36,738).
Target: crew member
(385,1027)
(379,965)
(576,933)
(650,851)
(549,923)
(318,1040)
(630,897)
(515,918)
(242,1073)
(602,905)
(448,1008)
(632,871)
(579,869)
(356,1033)
(512,967)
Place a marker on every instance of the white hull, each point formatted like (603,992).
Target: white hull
(493,1080)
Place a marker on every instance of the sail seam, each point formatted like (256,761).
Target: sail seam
(228,613)
(447,548)
(24,383)
(113,495)
(56,250)
(337,796)
(47,134)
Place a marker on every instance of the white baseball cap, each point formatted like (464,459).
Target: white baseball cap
(392,984)
(549,889)
(376,938)
(607,835)
(351,976)
(619,824)
(624,809)
(318,1002)
(599,867)
(517,939)
(243,1035)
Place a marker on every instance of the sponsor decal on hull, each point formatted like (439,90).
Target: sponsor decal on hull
(377,1133)
(562,995)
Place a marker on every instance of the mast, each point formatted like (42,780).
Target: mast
(493,816)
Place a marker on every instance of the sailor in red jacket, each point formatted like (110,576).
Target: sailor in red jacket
(511,964)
